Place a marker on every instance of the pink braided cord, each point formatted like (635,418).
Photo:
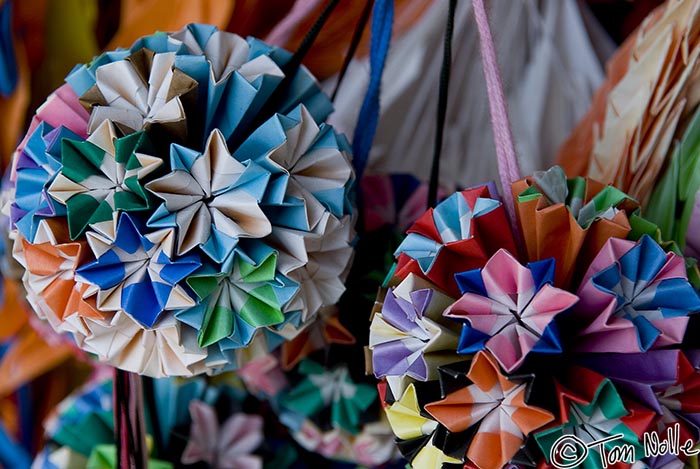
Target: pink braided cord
(508,169)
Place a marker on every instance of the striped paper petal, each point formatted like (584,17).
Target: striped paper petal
(635,297)
(101,177)
(510,309)
(497,406)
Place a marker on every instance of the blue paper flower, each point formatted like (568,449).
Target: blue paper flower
(136,273)
(635,297)
(211,199)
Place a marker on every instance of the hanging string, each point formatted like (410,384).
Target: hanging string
(129,425)
(442,104)
(382,21)
(508,169)
(356,37)
(290,68)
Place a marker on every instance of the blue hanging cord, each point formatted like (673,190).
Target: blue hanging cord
(8,62)
(382,20)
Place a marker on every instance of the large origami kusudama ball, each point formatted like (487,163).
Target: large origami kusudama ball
(181,207)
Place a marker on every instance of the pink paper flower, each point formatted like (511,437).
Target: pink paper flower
(634,297)
(509,309)
(228,446)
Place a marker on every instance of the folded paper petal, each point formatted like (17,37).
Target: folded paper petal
(569,219)
(323,331)
(164,350)
(459,234)
(227,446)
(185,84)
(138,91)
(594,412)
(635,297)
(662,380)
(497,405)
(310,167)
(135,273)
(322,388)
(318,262)
(510,309)
(234,304)
(102,177)
(52,287)
(409,335)
(36,167)
(210,191)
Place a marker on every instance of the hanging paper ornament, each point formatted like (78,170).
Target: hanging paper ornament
(624,296)
(180,206)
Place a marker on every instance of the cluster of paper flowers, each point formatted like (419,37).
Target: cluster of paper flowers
(316,383)
(180,206)
(488,356)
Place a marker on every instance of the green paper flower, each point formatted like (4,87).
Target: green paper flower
(101,177)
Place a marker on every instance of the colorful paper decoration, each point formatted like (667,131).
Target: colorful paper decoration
(537,327)
(202,233)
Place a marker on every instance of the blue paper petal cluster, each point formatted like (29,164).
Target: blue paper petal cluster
(37,165)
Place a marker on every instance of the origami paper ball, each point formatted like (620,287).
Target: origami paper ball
(180,206)
(596,313)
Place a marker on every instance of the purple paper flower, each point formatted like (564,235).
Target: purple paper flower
(409,336)
(37,166)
